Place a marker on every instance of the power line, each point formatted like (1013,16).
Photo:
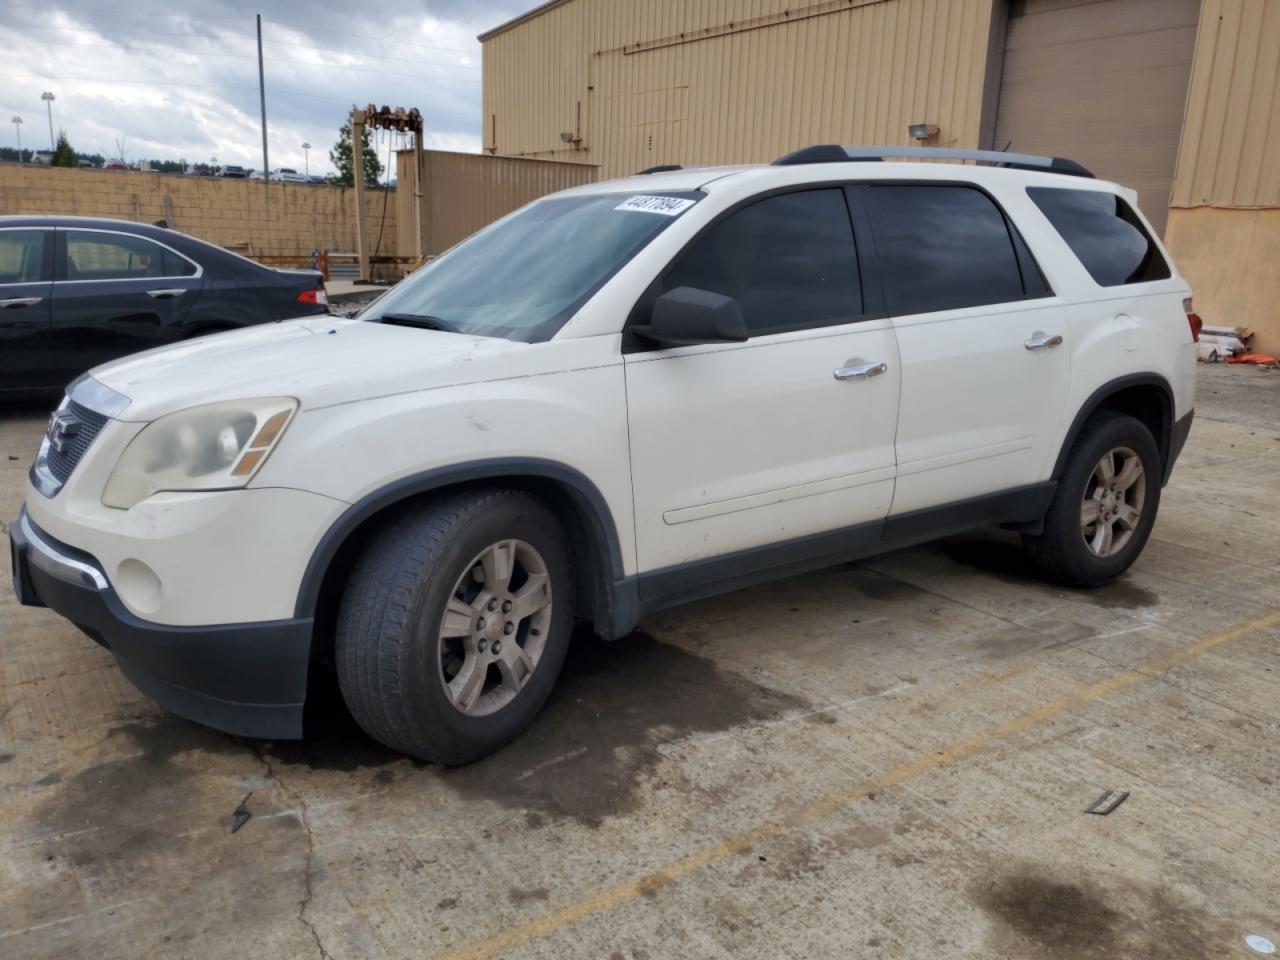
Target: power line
(300,63)
(162,82)
(246,36)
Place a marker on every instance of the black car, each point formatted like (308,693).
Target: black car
(76,292)
(234,172)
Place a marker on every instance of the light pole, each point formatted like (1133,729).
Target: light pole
(17,125)
(306,160)
(48,99)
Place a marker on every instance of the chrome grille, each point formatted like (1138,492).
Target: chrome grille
(62,456)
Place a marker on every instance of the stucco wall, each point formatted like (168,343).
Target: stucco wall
(279,224)
(1230,258)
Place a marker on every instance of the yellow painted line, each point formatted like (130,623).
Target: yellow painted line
(556,920)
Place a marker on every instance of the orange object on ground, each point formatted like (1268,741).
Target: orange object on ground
(1263,359)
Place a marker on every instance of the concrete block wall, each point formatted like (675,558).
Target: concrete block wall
(278,224)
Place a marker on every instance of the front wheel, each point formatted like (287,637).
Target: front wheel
(1105,504)
(455,623)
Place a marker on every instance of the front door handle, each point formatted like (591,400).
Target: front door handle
(1039,340)
(167,294)
(861,371)
(17,303)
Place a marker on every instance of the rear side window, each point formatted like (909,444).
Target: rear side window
(947,247)
(22,256)
(118,256)
(1104,233)
(788,260)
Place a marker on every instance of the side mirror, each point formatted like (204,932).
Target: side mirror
(686,316)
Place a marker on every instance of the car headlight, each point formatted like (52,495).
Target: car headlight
(218,446)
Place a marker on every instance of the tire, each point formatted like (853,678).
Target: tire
(395,663)
(1070,552)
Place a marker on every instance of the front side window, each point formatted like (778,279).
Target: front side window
(789,261)
(115,256)
(523,277)
(1104,233)
(22,256)
(946,247)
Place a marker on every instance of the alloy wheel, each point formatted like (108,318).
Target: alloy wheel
(494,627)
(1113,499)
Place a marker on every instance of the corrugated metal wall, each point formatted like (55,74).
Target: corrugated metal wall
(1230,150)
(664,81)
(466,191)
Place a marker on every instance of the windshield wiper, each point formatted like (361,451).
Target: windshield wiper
(419,320)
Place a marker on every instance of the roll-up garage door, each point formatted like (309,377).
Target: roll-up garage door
(1103,82)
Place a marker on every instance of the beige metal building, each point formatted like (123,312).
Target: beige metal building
(1179,99)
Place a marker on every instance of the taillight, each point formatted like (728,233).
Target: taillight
(1193,319)
(314,296)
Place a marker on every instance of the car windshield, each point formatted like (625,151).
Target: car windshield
(523,277)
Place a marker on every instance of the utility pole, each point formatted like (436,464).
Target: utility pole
(357,180)
(306,161)
(17,125)
(48,99)
(262,97)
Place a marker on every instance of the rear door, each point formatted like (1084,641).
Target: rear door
(27,359)
(116,293)
(788,435)
(984,374)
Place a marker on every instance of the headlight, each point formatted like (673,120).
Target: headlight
(218,446)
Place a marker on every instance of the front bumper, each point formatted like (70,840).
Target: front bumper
(248,679)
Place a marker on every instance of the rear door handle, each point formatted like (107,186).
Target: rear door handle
(861,371)
(167,294)
(1039,340)
(17,303)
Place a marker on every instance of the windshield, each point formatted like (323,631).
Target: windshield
(523,277)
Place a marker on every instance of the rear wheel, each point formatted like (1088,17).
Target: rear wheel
(1105,504)
(455,623)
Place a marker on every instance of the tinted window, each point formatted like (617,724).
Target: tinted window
(22,256)
(947,247)
(113,256)
(523,276)
(789,261)
(1104,233)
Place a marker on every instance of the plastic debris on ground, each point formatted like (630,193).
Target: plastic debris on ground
(1109,800)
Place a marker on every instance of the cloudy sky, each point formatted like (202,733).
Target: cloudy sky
(184,85)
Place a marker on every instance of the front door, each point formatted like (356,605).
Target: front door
(788,435)
(984,372)
(26,354)
(116,293)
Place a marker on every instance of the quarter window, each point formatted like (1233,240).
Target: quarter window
(22,256)
(947,247)
(789,261)
(110,256)
(1104,233)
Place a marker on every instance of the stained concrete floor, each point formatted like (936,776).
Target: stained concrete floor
(888,759)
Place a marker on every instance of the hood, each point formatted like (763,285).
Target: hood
(319,360)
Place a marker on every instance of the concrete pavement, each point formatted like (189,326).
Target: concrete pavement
(883,760)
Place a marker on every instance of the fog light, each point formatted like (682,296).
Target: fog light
(139,586)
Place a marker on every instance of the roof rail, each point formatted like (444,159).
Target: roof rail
(833,153)
(660,168)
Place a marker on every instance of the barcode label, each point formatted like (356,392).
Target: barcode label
(646,203)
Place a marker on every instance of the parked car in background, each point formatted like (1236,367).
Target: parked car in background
(115,165)
(315,179)
(234,172)
(254,175)
(286,175)
(76,292)
(201,170)
(618,398)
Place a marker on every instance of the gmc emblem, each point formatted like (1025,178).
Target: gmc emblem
(63,428)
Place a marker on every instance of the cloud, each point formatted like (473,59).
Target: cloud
(185,85)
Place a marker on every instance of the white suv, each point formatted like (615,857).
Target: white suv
(618,398)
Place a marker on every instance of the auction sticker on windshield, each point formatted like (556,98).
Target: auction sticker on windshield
(645,203)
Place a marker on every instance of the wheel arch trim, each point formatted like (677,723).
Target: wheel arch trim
(1100,396)
(603,529)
